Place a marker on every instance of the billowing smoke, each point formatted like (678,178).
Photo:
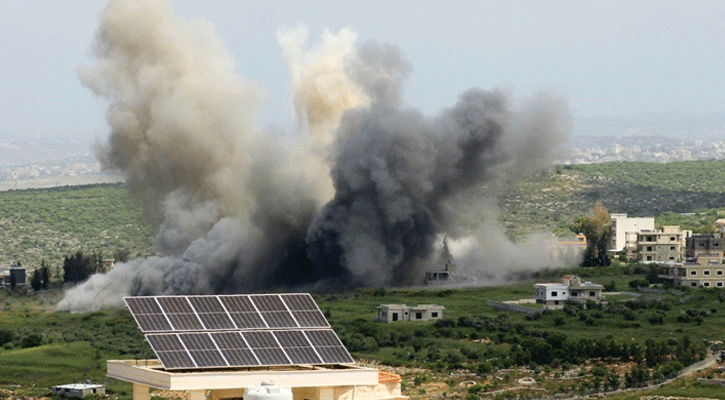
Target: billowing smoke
(359,196)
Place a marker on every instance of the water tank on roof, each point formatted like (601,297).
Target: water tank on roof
(268,391)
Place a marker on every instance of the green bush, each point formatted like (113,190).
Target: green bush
(31,340)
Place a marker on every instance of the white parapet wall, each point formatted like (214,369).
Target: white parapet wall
(151,373)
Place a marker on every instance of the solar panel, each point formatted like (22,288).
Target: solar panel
(299,302)
(179,312)
(298,348)
(148,314)
(211,312)
(242,312)
(305,311)
(329,347)
(234,348)
(203,350)
(265,347)
(191,332)
(171,351)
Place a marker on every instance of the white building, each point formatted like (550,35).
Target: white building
(307,382)
(554,295)
(79,390)
(400,312)
(621,225)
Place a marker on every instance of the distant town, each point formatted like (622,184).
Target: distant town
(48,165)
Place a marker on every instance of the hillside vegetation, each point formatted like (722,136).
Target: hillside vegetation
(690,194)
(52,223)
(572,351)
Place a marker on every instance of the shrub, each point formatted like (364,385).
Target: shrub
(656,318)
(638,283)
(6,336)
(32,340)
(484,368)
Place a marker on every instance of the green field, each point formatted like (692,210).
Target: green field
(50,348)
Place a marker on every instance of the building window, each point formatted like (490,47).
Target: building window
(706,272)
(556,302)
(574,294)
(719,284)
(395,316)
(649,258)
(554,294)
(419,315)
(649,248)
(434,314)
(592,294)
(719,272)
(693,272)
(693,284)
(701,244)
(672,238)
(706,284)
(672,248)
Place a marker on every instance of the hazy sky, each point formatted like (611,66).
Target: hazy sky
(607,58)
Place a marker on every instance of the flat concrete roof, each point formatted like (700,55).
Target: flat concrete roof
(152,373)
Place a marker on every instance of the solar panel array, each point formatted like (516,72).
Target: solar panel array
(189,332)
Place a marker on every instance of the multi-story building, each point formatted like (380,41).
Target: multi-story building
(695,275)
(657,245)
(621,225)
(705,249)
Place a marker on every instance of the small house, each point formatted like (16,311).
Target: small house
(19,274)
(554,295)
(400,312)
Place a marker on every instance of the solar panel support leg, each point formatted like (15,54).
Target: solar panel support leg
(197,395)
(141,392)
(327,393)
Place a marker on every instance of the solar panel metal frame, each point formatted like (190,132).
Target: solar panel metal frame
(286,329)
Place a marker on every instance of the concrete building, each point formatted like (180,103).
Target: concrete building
(333,382)
(705,249)
(695,275)
(554,295)
(400,312)
(621,224)
(79,390)
(20,274)
(657,245)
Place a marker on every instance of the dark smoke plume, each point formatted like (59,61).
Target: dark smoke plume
(360,197)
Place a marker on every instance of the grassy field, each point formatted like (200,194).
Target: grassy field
(74,347)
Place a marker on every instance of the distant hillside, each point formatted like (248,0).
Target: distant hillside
(553,198)
(48,224)
(52,223)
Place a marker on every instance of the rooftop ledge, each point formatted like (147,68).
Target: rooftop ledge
(152,373)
